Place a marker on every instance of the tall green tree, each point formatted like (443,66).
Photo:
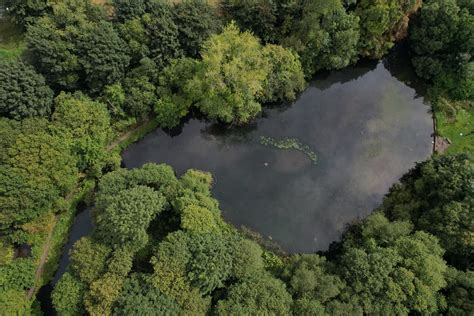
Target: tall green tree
(123,223)
(23,92)
(87,122)
(389,270)
(325,36)
(261,295)
(231,77)
(437,196)
(75,47)
(382,22)
(196,21)
(37,171)
(441,39)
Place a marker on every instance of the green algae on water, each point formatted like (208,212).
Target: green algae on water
(289,143)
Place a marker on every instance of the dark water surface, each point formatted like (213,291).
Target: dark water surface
(366,126)
(82,226)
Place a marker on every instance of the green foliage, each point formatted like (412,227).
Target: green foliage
(259,17)
(382,22)
(121,261)
(442,42)
(325,36)
(102,294)
(86,122)
(17,275)
(261,295)
(88,259)
(6,253)
(460,292)
(23,12)
(211,261)
(14,302)
(285,78)
(170,273)
(309,280)
(37,171)
(163,34)
(125,220)
(174,91)
(231,76)
(197,219)
(23,92)
(75,47)
(196,20)
(289,143)
(67,295)
(139,297)
(437,196)
(129,9)
(393,275)
(248,259)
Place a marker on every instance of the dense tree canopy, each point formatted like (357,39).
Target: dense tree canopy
(382,23)
(326,36)
(437,197)
(75,47)
(23,92)
(37,165)
(442,42)
(160,244)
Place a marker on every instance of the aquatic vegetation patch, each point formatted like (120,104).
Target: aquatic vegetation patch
(289,143)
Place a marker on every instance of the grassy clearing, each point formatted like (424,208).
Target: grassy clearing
(460,130)
(12,44)
(455,121)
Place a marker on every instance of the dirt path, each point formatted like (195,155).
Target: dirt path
(124,136)
(43,259)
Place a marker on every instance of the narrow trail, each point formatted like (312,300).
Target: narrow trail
(124,136)
(43,259)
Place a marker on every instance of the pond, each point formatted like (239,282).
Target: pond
(367,126)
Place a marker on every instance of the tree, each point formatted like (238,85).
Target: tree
(170,274)
(163,33)
(257,16)
(139,297)
(196,20)
(174,91)
(437,196)
(442,42)
(129,9)
(87,122)
(75,47)
(68,294)
(36,173)
(23,12)
(325,36)
(231,77)
(310,281)
(394,273)
(124,220)
(140,89)
(382,22)
(102,294)
(460,292)
(23,92)
(248,259)
(260,295)
(285,78)
(88,259)
(101,54)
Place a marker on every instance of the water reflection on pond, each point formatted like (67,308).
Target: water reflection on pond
(366,127)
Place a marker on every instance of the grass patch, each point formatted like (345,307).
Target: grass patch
(12,43)
(455,121)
